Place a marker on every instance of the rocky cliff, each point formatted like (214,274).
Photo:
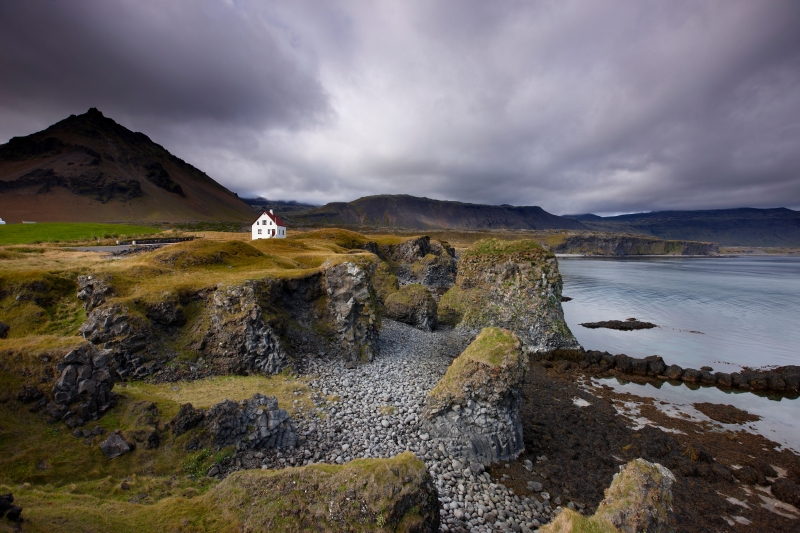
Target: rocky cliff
(514,285)
(474,409)
(596,243)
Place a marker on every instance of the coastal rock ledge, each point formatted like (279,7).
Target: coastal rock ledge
(474,409)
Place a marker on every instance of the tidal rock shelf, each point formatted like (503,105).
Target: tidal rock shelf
(376,410)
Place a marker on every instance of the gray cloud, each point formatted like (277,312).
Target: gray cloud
(574,106)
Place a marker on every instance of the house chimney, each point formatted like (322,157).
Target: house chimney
(270,212)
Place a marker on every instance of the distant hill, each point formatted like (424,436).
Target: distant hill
(284,207)
(89,168)
(411,212)
(728,227)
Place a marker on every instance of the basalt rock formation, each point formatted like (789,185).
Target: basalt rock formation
(419,260)
(83,389)
(514,285)
(475,407)
(256,424)
(353,307)
(614,244)
(93,291)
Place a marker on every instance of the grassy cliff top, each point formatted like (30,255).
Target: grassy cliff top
(493,351)
(363,495)
(497,248)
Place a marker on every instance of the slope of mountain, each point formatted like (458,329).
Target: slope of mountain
(728,227)
(89,168)
(411,212)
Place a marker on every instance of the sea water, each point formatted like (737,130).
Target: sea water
(725,312)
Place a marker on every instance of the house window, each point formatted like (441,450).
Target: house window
(259,232)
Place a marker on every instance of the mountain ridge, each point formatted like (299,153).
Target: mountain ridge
(90,168)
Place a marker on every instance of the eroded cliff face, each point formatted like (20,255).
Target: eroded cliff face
(514,285)
(353,308)
(620,245)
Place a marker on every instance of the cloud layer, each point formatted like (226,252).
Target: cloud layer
(575,106)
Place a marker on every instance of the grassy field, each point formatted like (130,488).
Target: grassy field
(47,232)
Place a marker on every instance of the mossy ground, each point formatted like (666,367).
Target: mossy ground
(359,496)
(55,232)
(569,521)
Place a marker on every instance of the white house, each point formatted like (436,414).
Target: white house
(2,221)
(269,226)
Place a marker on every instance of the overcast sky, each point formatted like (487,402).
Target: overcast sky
(575,106)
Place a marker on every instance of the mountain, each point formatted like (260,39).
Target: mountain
(285,207)
(411,212)
(728,227)
(89,168)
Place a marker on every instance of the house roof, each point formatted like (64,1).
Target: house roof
(275,218)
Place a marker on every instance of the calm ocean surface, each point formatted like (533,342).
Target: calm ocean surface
(748,310)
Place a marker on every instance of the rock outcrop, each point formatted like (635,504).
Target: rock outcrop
(353,308)
(238,339)
(639,499)
(419,260)
(83,389)
(93,290)
(412,304)
(256,423)
(395,494)
(8,509)
(474,409)
(514,285)
(128,336)
(615,244)
(115,445)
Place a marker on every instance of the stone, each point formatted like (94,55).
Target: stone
(93,291)
(4,329)
(691,375)
(114,446)
(786,491)
(414,305)
(750,476)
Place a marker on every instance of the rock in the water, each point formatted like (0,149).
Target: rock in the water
(114,446)
(475,406)
(413,305)
(513,285)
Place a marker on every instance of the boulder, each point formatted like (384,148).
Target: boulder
(673,372)
(413,305)
(187,418)
(514,285)
(114,446)
(639,499)
(786,491)
(8,509)
(4,328)
(83,389)
(474,409)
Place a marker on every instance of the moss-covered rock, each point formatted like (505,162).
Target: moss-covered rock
(510,284)
(474,409)
(412,304)
(639,499)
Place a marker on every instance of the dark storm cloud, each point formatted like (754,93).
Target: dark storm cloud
(574,106)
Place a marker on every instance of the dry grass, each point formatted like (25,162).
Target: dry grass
(292,393)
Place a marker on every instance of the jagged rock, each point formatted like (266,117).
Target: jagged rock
(93,290)
(475,406)
(187,418)
(353,306)
(83,390)
(639,499)
(167,313)
(514,285)
(128,337)
(413,305)
(238,337)
(4,328)
(256,423)
(114,446)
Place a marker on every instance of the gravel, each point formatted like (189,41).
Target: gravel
(374,410)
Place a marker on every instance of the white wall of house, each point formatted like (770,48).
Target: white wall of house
(266,228)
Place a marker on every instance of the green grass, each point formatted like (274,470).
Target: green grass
(497,247)
(69,232)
